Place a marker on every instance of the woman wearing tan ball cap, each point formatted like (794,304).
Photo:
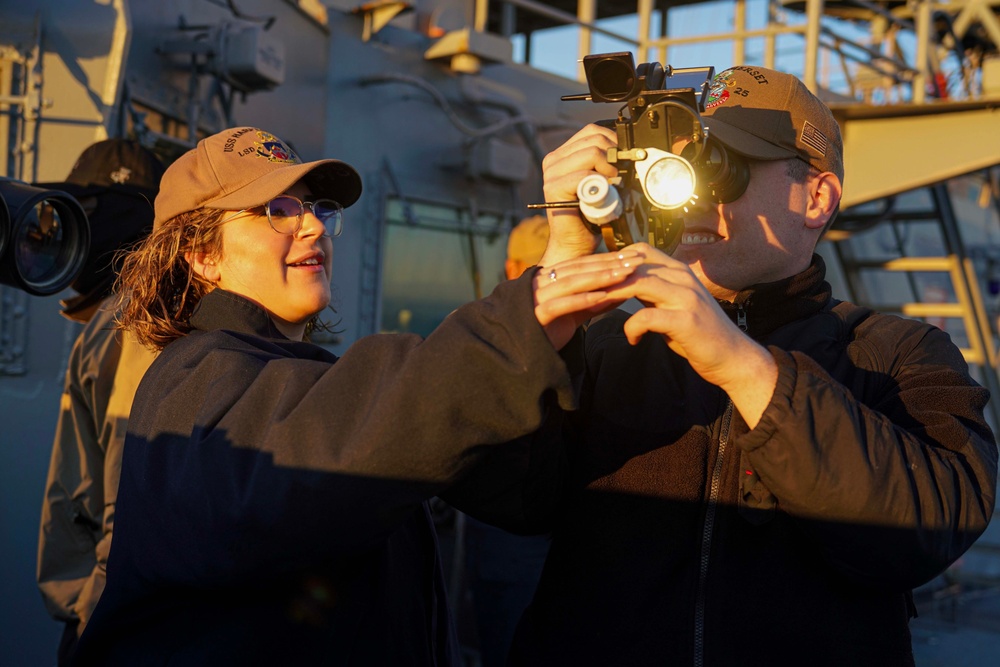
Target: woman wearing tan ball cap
(272,499)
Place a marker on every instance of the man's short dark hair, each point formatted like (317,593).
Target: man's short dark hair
(798,170)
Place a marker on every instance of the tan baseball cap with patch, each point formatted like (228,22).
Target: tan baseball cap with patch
(769,115)
(243,167)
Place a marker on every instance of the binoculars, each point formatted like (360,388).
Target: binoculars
(44,238)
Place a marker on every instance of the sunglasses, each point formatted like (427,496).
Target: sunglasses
(285,214)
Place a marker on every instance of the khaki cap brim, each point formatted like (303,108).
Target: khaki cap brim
(241,168)
(331,179)
(745,143)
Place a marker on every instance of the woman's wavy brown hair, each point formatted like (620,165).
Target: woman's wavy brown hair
(157,288)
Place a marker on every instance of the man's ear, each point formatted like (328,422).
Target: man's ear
(824,197)
(204,265)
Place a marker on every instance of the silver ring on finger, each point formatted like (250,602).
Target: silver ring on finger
(552,275)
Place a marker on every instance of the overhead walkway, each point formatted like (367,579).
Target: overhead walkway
(892,149)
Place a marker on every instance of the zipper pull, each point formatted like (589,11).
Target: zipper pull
(741,317)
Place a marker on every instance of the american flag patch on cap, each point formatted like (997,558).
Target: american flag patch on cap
(814,138)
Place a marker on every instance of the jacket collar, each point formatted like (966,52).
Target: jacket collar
(768,306)
(220,309)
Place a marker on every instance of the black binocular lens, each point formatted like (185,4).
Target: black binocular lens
(44,238)
(723,175)
(39,243)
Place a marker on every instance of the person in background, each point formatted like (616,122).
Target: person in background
(525,245)
(272,506)
(116,181)
(503,568)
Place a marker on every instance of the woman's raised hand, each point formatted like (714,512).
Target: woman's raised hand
(569,293)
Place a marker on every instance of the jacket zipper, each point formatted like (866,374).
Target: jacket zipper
(741,316)
(706,538)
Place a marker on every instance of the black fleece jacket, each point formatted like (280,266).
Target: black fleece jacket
(681,537)
(272,500)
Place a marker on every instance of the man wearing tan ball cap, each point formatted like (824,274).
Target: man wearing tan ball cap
(758,473)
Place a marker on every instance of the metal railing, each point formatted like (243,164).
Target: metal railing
(889,51)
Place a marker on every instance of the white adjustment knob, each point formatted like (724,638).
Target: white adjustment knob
(600,203)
